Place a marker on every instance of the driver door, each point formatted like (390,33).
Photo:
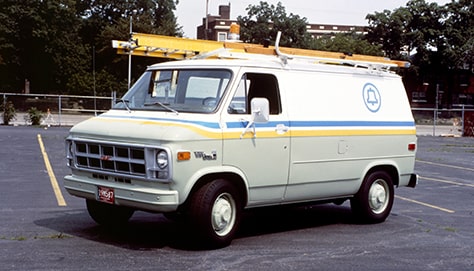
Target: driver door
(261,150)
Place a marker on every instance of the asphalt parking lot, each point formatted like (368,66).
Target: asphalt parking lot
(430,228)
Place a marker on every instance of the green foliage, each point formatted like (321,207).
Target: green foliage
(8,112)
(386,30)
(441,36)
(39,43)
(459,33)
(106,21)
(347,43)
(34,116)
(52,43)
(437,40)
(264,21)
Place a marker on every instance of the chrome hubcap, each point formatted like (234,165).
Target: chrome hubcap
(378,196)
(223,214)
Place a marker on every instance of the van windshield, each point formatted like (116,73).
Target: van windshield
(195,91)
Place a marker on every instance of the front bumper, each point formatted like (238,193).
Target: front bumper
(136,197)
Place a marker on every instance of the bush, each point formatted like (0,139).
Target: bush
(34,116)
(9,113)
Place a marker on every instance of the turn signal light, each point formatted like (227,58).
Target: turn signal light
(412,147)
(184,156)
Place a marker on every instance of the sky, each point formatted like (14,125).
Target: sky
(344,12)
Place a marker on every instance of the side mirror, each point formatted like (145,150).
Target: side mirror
(260,108)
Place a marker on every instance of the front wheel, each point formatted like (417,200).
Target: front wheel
(373,202)
(214,213)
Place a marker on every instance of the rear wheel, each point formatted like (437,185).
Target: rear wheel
(108,214)
(214,213)
(373,202)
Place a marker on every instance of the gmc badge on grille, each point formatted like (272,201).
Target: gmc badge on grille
(105,157)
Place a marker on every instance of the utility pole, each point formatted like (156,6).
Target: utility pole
(207,21)
(93,79)
(130,54)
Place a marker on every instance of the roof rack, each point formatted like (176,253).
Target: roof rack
(182,48)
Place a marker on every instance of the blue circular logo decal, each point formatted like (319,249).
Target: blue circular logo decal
(372,98)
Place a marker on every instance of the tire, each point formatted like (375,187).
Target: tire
(214,214)
(107,214)
(374,201)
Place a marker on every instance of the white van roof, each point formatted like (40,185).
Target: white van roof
(274,62)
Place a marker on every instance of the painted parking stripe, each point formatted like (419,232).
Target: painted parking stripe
(444,165)
(426,204)
(52,177)
(446,181)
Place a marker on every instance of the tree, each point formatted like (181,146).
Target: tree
(52,43)
(459,25)
(425,32)
(106,20)
(416,27)
(387,29)
(263,22)
(39,43)
(438,40)
(347,43)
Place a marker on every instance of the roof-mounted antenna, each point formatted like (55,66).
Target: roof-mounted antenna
(282,56)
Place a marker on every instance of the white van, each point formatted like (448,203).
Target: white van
(207,139)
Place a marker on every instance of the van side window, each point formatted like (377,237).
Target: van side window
(256,85)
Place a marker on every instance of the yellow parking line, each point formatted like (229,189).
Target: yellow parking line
(426,204)
(52,177)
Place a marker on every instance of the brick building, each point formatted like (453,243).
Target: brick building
(218,27)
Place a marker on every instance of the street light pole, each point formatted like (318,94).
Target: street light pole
(130,55)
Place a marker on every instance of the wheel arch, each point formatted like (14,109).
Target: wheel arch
(389,168)
(230,174)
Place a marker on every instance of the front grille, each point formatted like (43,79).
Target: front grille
(116,159)
(111,158)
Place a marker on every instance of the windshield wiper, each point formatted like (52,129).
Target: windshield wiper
(125,103)
(162,105)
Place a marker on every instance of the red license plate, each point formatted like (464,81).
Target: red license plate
(106,195)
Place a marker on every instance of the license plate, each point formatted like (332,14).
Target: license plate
(106,195)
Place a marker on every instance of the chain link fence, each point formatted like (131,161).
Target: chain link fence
(444,122)
(56,110)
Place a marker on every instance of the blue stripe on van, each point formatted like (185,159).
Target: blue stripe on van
(307,124)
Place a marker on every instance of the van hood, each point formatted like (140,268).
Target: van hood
(142,128)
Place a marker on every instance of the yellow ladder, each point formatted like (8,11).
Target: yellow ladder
(182,48)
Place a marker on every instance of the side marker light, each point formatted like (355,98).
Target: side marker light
(184,156)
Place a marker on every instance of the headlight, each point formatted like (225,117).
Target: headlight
(162,159)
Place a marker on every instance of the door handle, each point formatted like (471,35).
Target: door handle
(281,129)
